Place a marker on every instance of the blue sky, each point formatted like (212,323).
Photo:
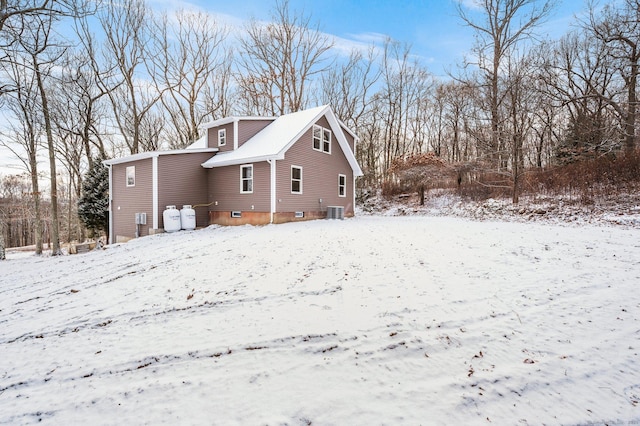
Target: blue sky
(431,27)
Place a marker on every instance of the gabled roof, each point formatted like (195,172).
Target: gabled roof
(273,141)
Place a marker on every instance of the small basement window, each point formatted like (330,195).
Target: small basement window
(236,213)
(299,214)
(131,175)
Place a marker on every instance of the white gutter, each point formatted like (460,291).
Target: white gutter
(154,190)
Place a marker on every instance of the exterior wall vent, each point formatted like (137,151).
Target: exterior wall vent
(299,214)
(335,212)
(236,213)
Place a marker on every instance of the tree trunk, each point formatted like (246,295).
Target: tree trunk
(2,255)
(36,204)
(630,125)
(55,228)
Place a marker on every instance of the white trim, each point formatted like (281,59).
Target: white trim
(235,134)
(273,188)
(222,137)
(322,141)
(110,205)
(242,179)
(151,154)
(293,166)
(126,176)
(353,179)
(154,190)
(344,187)
(227,120)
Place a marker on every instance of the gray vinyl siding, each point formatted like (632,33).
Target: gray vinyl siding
(319,176)
(213,137)
(246,130)
(224,187)
(249,128)
(182,180)
(127,201)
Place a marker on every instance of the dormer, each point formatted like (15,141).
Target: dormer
(228,134)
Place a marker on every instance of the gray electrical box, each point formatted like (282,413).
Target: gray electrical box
(141,218)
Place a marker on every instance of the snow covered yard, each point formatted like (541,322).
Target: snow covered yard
(371,320)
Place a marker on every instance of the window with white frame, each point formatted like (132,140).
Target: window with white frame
(296,180)
(246,179)
(342,185)
(222,137)
(131,175)
(321,139)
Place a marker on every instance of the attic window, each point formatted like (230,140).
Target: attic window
(222,137)
(321,139)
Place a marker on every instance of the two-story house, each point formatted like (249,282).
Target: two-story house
(245,170)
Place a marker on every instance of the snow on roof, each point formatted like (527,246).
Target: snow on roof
(151,154)
(273,141)
(227,120)
(200,143)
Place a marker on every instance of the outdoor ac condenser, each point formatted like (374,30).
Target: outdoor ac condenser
(335,212)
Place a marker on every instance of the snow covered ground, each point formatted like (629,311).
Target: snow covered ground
(370,320)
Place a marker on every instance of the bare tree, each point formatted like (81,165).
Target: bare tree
(124,69)
(26,129)
(405,88)
(278,60)
(349,86)
(576,76)
(618,28)
(195,67)
(504,24)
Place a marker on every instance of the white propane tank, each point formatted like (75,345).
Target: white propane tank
(188,217)
(171,218)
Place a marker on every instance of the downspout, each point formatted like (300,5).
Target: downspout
(355,144)
(272,162)
(235,133)
(111,241)
(154,190)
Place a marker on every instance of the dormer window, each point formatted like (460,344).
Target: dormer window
(222,137)
(321,139)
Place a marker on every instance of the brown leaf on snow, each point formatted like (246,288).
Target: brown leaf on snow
(529,361)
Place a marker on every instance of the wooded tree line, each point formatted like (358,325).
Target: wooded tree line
(83,80)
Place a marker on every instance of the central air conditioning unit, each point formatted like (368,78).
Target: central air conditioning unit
(335,212)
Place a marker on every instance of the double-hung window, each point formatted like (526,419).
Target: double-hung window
(222,137)
(246,179)
(321,139)
(342,185)
(296,180)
